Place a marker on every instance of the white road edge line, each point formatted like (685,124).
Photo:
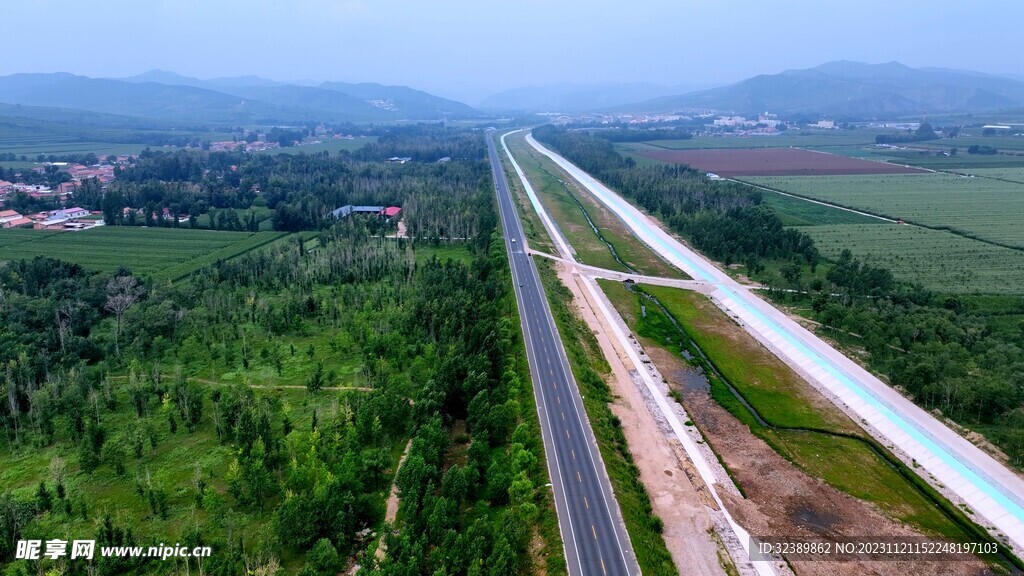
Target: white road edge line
(763,568)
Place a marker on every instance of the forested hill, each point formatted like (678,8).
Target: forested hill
(852,89)
(168,97)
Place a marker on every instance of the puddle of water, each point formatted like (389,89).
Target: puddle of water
(814,520)
(693,380)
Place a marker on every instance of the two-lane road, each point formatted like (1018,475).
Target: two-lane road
(593,533)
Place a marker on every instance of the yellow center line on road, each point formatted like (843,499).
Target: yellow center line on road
(594,531)
(603,571)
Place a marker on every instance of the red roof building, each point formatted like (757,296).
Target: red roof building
(17,223)
(391,211)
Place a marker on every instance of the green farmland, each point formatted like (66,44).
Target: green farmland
(1011,174)
(789,138)
(163,253)
(960,162)
(981,208)
(939,260)
(800,212)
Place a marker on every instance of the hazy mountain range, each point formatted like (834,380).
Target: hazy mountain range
(852,89)
(567,97)
(249,99)
(841,89)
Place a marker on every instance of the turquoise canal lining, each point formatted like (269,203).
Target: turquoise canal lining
(978,478)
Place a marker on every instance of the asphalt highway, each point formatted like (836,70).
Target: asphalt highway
(593,533)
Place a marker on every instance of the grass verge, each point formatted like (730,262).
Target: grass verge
(611,245)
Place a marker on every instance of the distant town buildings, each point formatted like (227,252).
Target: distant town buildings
(230,145)
(732,121)
(102,172)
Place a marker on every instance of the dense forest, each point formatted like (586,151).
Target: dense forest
(288,192)
(107,378)
(962,356)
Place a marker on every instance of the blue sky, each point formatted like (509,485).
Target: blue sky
(469,49)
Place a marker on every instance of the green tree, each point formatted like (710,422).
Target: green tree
(43,499)
(315,382)
(324,557)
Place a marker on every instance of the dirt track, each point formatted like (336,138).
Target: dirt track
(775,162)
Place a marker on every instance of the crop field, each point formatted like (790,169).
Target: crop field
(163,253)
(32,150)
(962,161)
(939,260)
(783,140)
(1012,174)
(30,138)
(867,151)
(799,212)
(978,207)
(774,162)
(1004,142)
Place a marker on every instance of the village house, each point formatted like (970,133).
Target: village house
(17,223)
(57,219)
(11,219)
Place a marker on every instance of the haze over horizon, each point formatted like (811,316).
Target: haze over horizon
(470,50)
